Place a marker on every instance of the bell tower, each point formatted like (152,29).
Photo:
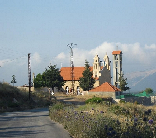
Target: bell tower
(96,66)
(106,62)
(117,67)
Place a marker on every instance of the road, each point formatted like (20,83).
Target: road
(30,124)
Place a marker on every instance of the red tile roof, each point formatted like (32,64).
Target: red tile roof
(105,87)
(116,52)
(66,72)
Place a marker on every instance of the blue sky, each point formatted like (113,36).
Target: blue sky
(45,27)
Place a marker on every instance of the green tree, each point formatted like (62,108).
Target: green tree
(123,83)
(50,78)
(149,90)
(38,81)
(13,79)
(53,78)
(87,81)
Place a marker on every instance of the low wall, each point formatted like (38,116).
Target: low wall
(25,88)
(106,94)
(140,100)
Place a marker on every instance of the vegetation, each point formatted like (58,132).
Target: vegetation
(38,81)
(13,80)
(12,99)
(87,81)
(149,90)
(123,83)
(123,120)
(50,78)
(94,100)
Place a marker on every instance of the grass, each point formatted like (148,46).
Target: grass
(123,120)
(12,99)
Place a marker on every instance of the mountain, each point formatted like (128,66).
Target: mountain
(139,81)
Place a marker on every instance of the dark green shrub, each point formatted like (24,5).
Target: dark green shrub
(57,106)
(94,100)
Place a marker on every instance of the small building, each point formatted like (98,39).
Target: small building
(106,89)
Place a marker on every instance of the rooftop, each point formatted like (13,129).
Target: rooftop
(105,87)
(66,72)
(116,52)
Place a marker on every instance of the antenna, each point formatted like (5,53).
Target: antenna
(117,48)
(71,45)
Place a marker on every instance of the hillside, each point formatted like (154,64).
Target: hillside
(12,98)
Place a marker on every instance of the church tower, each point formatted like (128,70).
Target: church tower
(106,62)
(96,67)
(117,67)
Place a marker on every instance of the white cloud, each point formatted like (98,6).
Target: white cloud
(5,61)
(36,58)
(135,56)
(61,56)
(152,47)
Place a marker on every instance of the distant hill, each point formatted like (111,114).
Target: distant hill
(138,82)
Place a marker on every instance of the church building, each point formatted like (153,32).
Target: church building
(101,73)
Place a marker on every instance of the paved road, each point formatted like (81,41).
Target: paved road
(30,124)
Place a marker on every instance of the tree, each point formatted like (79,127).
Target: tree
(13,80)
(123,83)
(87,81)
(149,90)
(53,78)
(50,78)
(38,81)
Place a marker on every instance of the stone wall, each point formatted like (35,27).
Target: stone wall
(106,94)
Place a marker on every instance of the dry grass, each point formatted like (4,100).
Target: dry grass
(89,120)
(12,99)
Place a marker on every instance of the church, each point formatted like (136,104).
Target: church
(101,73)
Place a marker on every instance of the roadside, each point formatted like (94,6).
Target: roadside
(30,123)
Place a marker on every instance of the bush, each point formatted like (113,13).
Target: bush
(57,106)
(94,100)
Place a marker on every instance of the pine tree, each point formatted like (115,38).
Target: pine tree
(13,80)
(123,83)
(87,81)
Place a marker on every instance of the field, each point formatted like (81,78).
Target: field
(101,120)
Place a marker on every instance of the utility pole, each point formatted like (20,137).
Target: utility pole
(29,74)
(72,64)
